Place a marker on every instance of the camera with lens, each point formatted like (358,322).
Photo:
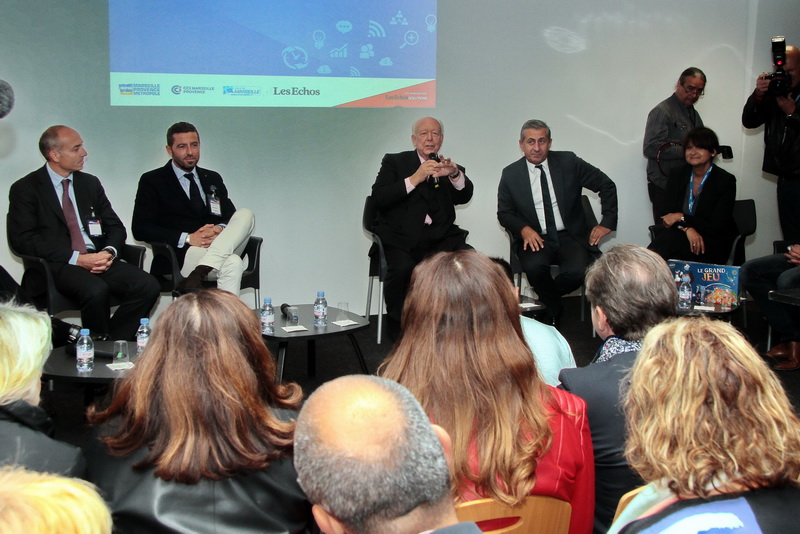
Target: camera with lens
(780,82)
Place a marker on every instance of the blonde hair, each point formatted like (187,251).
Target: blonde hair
(705,412)
(42,503)
(463,356)
(25,343)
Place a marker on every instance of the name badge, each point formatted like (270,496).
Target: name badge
(95,227)
(216,207)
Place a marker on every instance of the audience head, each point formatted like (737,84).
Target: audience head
(370,461)
(705,412)
(24,347)
(462,353)
(42,503)
(630,290)
(202,393)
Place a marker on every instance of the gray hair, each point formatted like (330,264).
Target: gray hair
(364,491)
(634,287)
(416,123)
(533,124)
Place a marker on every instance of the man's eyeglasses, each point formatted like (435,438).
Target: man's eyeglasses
(692,90)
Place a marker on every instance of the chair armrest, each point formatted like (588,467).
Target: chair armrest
(133,254)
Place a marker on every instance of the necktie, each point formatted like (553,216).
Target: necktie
(549,216)
(75,235)
(194,194)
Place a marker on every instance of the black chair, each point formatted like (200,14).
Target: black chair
(167,271)
(516,265)
(377,261)
(52,299)
(744,216)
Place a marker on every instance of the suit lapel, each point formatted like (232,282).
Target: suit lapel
(49,196)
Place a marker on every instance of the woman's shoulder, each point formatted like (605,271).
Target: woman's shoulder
(566,402)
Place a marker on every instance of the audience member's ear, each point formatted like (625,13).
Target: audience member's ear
(326,522)
(600,322)
(447,444)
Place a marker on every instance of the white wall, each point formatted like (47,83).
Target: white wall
(305,172)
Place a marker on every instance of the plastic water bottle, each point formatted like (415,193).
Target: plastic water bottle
(320,310)
(685,294)
(142,335)
(84,351)
(267,317)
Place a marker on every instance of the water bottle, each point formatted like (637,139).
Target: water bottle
(84,351)
(320,310)
(267,317)
(685,294)
(142,335)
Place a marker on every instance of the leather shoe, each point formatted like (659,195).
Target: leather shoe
(780,351)
(193,282)
(792,360)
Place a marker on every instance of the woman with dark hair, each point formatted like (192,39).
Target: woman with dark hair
(198,436)
(712,431)
(463,355)
(697,211)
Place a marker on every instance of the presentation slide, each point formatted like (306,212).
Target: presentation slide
(273,53)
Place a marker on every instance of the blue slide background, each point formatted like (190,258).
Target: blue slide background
(274,37)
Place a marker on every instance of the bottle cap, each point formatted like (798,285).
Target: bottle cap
(267,300)
(320,293)
(84,332)
(144,320)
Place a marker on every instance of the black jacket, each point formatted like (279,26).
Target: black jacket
(25,441)
(781,134)
(268,501)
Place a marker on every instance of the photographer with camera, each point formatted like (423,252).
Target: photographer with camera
(774,103)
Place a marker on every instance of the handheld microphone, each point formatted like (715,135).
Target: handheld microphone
(435,157)
(285,311)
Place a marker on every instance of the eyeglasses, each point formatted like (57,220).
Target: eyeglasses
(699,91)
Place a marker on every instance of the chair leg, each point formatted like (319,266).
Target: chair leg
(380,311)
(258,297)
(369,297)
(769,336)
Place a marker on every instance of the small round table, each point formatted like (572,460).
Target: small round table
(60,366)
(305,314)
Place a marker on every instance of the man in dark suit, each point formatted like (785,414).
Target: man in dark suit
(630,290)
(416,193)
(188,207)
(548,223)
(63,215)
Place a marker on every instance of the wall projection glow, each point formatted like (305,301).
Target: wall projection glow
(276,53)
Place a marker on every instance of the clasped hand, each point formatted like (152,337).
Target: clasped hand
(204,236)
(430,167)
(95,262)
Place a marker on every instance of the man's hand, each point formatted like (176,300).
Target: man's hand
(762,84)
(695,241)
(532,239)
(428,168)
(95,262)
(793,255)
(671,218)
(204,236)
(598,233)
(448,167)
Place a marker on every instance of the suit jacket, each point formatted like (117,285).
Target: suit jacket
(713,214)
(162,210)
(36,223)
(570,175)
(598,384)
(401,215)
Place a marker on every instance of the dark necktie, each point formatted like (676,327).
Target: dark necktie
(76,238)
(194,195)
(549,215)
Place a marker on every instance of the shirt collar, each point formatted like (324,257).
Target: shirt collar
(55,177)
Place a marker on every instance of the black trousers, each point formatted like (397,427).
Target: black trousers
(572,259)
(401,262)
(137,290)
